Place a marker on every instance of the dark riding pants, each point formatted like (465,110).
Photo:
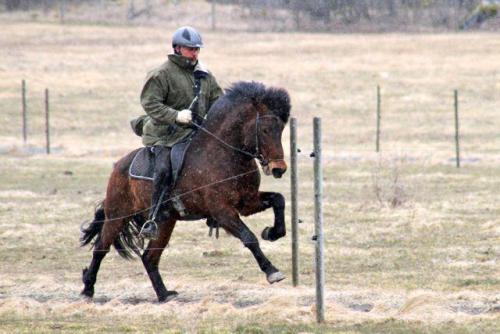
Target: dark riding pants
(162,178)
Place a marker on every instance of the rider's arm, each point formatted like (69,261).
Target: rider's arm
(152,96)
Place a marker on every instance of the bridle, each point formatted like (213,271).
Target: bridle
(257,155)
(263,161)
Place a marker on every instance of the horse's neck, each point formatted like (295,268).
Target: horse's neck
(228,132)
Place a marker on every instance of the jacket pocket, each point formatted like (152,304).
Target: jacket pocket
(160,130)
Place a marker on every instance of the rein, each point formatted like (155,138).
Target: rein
(257,155)
(251,155)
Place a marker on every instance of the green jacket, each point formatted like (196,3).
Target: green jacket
(168,90)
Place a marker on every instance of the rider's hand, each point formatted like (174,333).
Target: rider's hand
(184,116)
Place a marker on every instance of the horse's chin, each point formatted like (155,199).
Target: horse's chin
(267,170)
(276,169)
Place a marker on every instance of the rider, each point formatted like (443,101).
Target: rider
(168,98)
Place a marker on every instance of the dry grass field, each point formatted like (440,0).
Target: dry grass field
(412,242)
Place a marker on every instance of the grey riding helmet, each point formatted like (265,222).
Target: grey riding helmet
(187,36)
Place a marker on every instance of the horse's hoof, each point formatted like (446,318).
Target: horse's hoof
(168,296)
(275,277)
(87,293)
(265,234)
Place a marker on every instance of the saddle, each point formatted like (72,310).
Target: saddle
(142,166)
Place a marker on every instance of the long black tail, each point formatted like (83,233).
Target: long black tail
(93,230)
(125,243)
(128,241)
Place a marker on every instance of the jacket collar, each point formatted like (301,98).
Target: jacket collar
(181,61)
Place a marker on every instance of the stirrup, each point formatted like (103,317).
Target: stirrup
(149,230)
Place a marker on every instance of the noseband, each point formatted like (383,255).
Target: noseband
(258,155)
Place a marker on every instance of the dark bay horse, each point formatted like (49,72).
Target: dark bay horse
(220,181)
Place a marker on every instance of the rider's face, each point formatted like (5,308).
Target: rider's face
(191,53)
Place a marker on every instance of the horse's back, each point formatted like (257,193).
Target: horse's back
(118,183)
(120,199)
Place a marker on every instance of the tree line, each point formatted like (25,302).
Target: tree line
(326,15)
(13,5)
(446,13)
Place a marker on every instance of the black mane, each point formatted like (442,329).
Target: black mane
(276,100)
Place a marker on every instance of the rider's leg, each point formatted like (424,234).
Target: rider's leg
(162,179)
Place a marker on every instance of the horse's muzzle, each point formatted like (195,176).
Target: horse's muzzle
(277,172)
(276,168)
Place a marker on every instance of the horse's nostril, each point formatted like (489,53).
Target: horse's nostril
(278,172)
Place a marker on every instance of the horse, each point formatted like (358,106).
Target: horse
(219,181)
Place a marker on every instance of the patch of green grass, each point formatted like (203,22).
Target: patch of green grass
(474,282)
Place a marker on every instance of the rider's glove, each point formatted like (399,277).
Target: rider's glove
(184,116)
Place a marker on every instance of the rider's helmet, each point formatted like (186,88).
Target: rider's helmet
(187,36)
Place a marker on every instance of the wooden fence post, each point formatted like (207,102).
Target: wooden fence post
(457,132)
(213,14)
(318,222)
(294,191)
(62,10)
(377,144)
(47,120)
(24,111)
(296,14)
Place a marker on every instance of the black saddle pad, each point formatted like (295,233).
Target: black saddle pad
(142,166)
(177,157)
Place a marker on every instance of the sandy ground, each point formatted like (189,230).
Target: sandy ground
(49,296)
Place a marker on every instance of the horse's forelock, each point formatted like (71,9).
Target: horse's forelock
(277,101)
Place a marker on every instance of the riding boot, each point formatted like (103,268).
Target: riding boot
(160,196)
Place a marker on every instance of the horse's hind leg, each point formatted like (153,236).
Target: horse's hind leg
(151,259)
(108,234)
(90,274)
(231,222)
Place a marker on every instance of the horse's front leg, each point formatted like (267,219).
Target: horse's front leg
(229,219)
(265,201)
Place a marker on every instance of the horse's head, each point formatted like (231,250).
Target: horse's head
(264,127)
(251,119)
(269,149)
